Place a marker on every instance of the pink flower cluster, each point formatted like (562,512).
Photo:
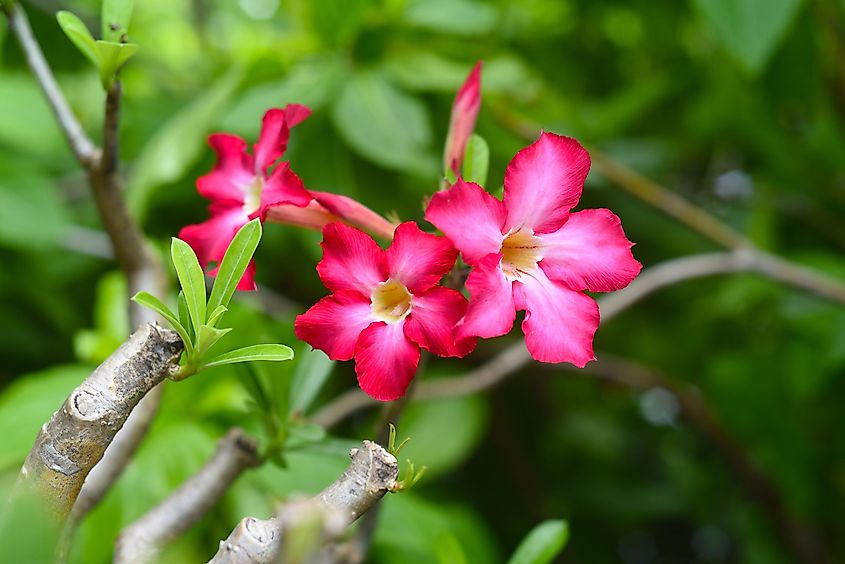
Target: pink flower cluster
(528,251)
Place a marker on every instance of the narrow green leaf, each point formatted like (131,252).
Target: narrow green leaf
(111,57)
(78,34)
(184,316)
(215,315)
(312,370)
(234,263)
(152,302)
(208,336)
(254,352)
(543,543)
(476,160)
(115,17)
(450,176)
(192,280)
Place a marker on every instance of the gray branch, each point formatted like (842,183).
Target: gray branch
(75,438)
(370,475)
(141,541)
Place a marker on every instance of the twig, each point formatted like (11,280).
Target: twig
(83,148)
(370,475)
(799,538)
(143,539)
(77,435)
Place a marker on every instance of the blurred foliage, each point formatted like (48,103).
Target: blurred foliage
(738,105)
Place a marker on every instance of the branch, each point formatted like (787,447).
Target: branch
(83,148)
(143,539)
(75,438)
(370,475)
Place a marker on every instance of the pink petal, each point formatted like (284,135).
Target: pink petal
(543,182)
(275,131)
(491,310)
(283,187)
(432,321)
(313,216)
(211,238)
(559,323)
(419,260)
(470,217)
(462,120)
(232,173)
(334,323)
(590,252)
(351,260)
(385,360)
(355,213)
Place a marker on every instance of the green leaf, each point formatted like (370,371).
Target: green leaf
(312,370)
(750,30)
(176,145)
(32,215)
(384,124)
(254,352)
(476,160)
(111,57)
(215,315)
(462,17)
(115,17)
(192,280)
(78,34)
(152,302)
(234,263)
(209,336)
(448,549)
(185,316)
(543,543)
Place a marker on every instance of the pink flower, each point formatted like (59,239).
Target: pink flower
(241,187)
(384,305)
(529,252)
(328,208)
(462,121)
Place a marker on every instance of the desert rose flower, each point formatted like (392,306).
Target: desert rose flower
(462,120)
(530,252)
(385,305)
(240,187)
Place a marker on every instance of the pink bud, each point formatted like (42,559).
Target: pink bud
(462,121)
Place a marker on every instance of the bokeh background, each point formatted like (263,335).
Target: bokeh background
(714,418)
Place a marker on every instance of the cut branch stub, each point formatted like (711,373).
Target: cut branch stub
(74,439)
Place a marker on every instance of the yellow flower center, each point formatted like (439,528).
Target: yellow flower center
(252,195)
(521,251)
(391,301)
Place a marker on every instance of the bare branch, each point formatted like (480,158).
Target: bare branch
(83,148)
(77,435)
(370,475)
(141,541)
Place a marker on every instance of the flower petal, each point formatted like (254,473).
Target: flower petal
(334,323)
(283,187)
(351,260)
(355,213)
(431,323)
(385,360)
(275,132)
(313,216)
(211,238)
(590,252)
(232,173)
(559,322)
(419,260)
(543,182)
(470,217)
(462,120)
(491,310)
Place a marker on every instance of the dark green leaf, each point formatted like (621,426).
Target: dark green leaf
(192,280)
(750,29)
(253,353)
(234,263)
(543,543)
